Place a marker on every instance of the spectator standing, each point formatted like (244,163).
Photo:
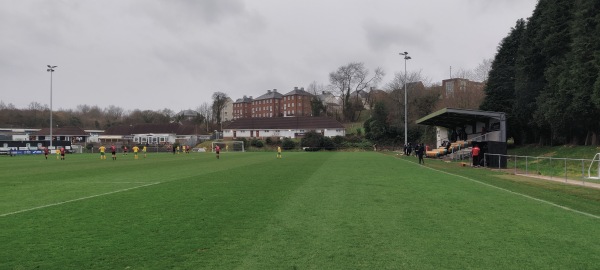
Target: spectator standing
(420,152)
(475,154)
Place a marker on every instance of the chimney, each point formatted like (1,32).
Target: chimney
(302,88)
(275,90)
(268,91)
(250,97)
(295,87)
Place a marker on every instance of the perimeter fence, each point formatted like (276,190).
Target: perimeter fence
(562,169)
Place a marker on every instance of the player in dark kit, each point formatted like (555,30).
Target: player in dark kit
(113,150)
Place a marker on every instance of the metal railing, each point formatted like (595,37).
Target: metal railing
(563,169)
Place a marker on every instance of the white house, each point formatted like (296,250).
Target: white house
(290,127)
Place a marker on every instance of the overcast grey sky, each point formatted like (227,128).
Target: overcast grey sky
(155,54)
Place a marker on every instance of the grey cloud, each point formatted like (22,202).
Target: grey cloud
(183,14)
(382,36)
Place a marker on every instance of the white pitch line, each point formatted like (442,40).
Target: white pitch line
(78,199)
(516,193)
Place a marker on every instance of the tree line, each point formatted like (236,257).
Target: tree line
(36,115)
(545,75)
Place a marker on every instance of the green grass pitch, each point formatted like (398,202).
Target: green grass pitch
(324,210)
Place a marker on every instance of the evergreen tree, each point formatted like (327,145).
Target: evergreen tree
(377,127)
(500,87)
(556,46)
(529,76)
(580,73)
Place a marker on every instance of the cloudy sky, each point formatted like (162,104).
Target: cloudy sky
(155,54)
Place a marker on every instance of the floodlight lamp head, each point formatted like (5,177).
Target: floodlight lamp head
(407,57)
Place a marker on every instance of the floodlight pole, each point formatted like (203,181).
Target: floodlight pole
(51,70)
(406,57)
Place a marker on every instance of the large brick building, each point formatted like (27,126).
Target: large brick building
(297,103)
(274,104)
(267,105)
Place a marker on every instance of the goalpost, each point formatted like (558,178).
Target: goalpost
(229,146)
(595,169)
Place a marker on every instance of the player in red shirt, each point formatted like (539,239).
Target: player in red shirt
(217,150)
(475,153)
(62,153)
(46,152)
(113,150)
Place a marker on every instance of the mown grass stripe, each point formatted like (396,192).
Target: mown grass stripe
(78,199)
(512,192)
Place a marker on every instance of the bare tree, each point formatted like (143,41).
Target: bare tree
(481,72)
(463,73)
(478,74)
(206,111)
(469,98)
(353,77)
(219,102)
(415,84)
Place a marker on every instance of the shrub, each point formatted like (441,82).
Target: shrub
(327,144)
(288,144)
(257,143)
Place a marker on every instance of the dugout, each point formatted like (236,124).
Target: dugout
(484,128)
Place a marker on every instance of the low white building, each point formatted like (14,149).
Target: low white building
(290,127)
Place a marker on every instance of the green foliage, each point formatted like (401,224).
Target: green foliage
(288,144)
(500,87)
(359,131)
(328,144)
(257,143)
(317,107)
(545,74)
(312,139)
(377,128)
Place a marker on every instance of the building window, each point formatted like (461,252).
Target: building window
(449,88)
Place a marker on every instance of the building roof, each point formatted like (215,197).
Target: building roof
(452,118)
(301,122)
(172,128)
(63,131)
(270,95)
(188,113)
(298,92)
(245,99)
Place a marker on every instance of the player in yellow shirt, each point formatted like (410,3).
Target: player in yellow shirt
(144,150)
(102,151)
(57,152)
(135,152)
(278,151)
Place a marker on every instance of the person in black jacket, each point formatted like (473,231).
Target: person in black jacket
(420,152)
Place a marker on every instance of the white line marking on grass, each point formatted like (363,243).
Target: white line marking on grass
(516,193)
(78,199)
